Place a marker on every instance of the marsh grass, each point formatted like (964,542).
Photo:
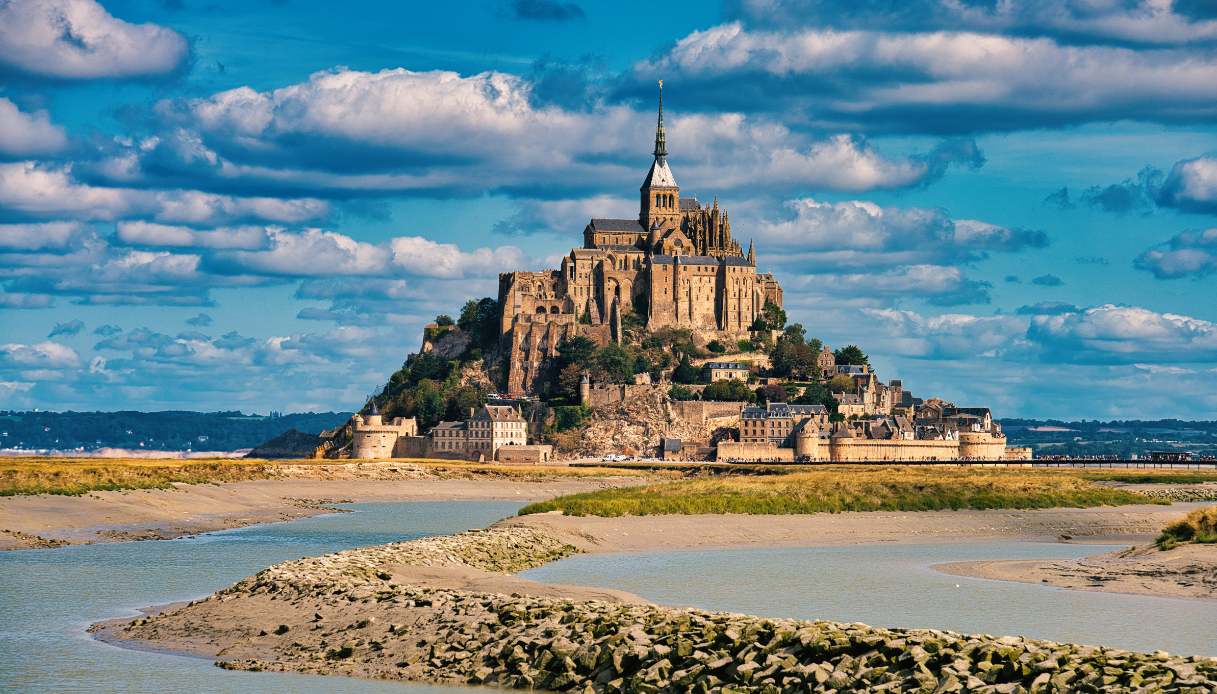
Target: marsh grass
(76,476)
(1151,477)
(1199,526)
(834,489)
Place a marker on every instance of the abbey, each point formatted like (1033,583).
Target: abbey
(676,265)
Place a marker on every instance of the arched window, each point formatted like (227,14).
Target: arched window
(553,309)
(540,309)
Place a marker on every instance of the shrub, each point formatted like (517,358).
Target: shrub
(569,416)
(1199,526)
(744,345)
(728,391)
(682,393)
(716,347)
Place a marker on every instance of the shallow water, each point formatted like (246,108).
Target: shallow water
(894,585)
(49,597)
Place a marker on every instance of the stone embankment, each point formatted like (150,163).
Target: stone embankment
(351,613)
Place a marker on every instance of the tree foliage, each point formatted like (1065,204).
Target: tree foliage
(685,372)
(728,390)
(852,355)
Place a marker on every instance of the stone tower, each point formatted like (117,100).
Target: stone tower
(660,196)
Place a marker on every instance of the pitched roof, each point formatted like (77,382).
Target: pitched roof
(689,203)
(659,176)
(499,413)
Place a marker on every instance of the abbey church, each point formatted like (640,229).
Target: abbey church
(675,265)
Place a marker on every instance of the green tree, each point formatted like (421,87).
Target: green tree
(443,320)
(816,345)
(429,403)
(577,350)
(728,390)
(771,392)
(852,355)
(841,384)
(678,392)
(791,357)
(615,363)
(794,333)
(684,371)
(480,319)
(745,346)
(772,317)
(716,347)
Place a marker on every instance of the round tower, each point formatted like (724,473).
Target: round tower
(807,443)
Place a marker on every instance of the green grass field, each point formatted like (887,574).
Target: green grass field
(835,489)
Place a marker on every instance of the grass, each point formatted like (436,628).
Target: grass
(76,476)
(1199,526)
(835,489)
(1148,477)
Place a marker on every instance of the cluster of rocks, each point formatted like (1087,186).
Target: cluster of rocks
(1182,494)
(560,645)
(345,613)
(500,549)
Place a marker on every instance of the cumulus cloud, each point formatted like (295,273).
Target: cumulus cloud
(49,236)
(937,81)
(937,284)
(1191,185)
(1123,335)
(858,234)
(1150,22)
(33,190)
(1189,254)
(421,256)
(946,336)
(346,133)
(67,329)
(41,355)
(79,39)
(28,134)
(312,252)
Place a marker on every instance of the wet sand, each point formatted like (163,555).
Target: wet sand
(1187,571)
(45,520)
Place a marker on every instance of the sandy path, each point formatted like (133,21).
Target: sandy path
(45,520)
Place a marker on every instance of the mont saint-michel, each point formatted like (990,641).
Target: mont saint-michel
(658,336)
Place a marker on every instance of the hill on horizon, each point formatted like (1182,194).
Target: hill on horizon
(167,430)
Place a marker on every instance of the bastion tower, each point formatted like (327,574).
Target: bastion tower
(675,265)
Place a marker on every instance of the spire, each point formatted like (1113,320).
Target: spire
(751,253)
(661,146)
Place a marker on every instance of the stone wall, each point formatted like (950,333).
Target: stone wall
(856,450)
(525,455)
(702,411)
(732,451)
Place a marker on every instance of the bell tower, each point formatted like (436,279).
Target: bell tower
(660,196)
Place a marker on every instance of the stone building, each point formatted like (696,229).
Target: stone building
(371,437)
(675,265)
(726,371)
(776,422)
(482,435)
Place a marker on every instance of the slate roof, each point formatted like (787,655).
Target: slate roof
(689,203)
(617,225)
(659,175)
(726,365)
(499,413)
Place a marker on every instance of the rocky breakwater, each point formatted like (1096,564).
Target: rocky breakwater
(429,610)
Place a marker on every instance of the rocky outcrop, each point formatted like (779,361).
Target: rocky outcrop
(637,423)
(1173,494)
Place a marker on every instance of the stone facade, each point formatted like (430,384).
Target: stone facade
(675,265)
(727,371)
(371,437)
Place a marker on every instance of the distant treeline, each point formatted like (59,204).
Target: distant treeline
(1122,438)
(172,430)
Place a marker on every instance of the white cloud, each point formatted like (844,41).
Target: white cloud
(151,234)
(946,336)
(41,355)
(309,253)
(1191,253)
(862,234)
(49,236)
(37,190)
(79,39)
(940,80)
(1191,185)
(28,134)
(421,256)
(1124,334)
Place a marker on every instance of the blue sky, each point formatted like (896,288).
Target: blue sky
(256,205)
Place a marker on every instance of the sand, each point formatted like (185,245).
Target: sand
(1117,525)
(44,520)
(1187,571)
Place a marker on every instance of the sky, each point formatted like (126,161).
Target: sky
(257,205)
